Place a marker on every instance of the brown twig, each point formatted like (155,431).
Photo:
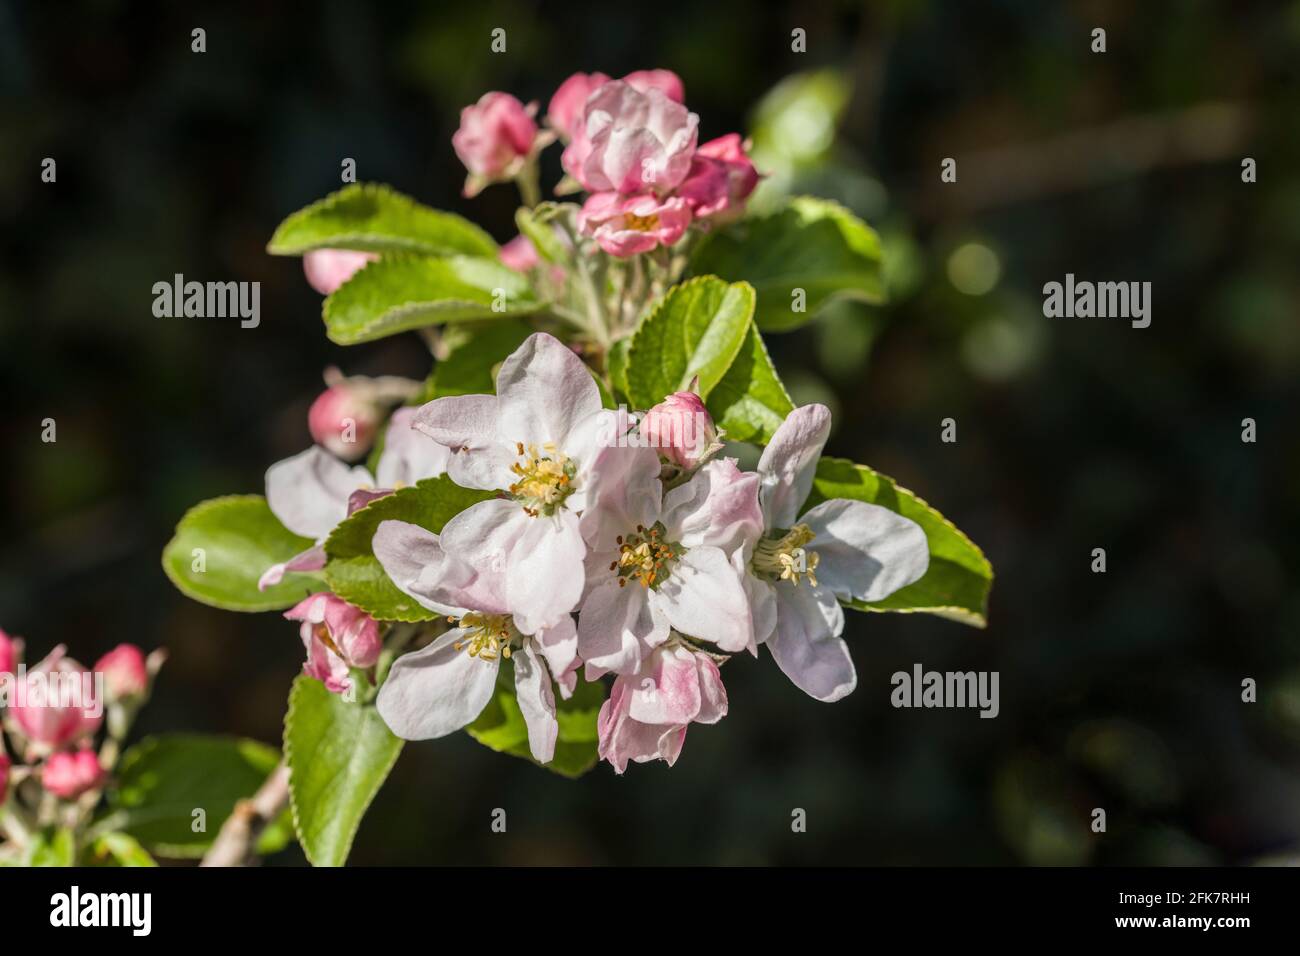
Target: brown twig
(235,843)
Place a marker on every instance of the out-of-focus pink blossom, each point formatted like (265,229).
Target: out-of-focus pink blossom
(56,704)
(520,254)
(69,775)
(632,141)
(567,106)
(8,653)
(625,226)
(5,764)
(327,269)
(666,81)
(343,421)
(125,673)
(721,178)
(647,713)
(337,637)
(496,135)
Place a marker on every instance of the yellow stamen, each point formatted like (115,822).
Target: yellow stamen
(487,637)
(785,558)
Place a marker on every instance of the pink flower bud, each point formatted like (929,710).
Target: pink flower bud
(8,653)
(337,637)
(496,134)
(327,269)
(626,226)
(343,421)
(647,713)
(69,775)
(125,673)
(4,774)
(55,703)
(681,428)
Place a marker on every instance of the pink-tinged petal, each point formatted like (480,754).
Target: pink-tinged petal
(668,82)
(536,702)
(668,690)
(413,558)
(703,597)
(467,425)
(313,559)
(717,507)
(545,572)
(559,646)
(806,644)
(865,551)
(565,112)
(623,491)
(309,492)
(789,462)
(638,140)
(436,690)
(494,137)
(409,455)
(485,533)
(585,440)
(327,269)
(616,627)
(543,392)
(713,696)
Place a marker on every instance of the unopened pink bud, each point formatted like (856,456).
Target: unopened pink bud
(125,673)
(8,653)
(343,422)
(337,638)
(69,775)
(680,428)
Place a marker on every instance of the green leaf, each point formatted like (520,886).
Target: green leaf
(400,293)
(120,849)
(501,725)
(957,584)
(240,538)
(339,755)
(536,225)
(163,780)
(469,369)
(750,403)
(618,365)
(697,329)
(356,576)
(53,846)
(811,244)
(374,218)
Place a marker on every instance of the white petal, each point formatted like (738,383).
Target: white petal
(623,491)
(409,456)
(559,645)
(467,425)
(536,702)
(414,559)
(718,506)
(544,571)
(616,628)
(309,492)
(543,390)
(703,597)
(436,690)
(485,533)
(789,461)
(865,551)
(806,644)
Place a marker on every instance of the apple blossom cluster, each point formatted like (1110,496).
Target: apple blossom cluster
(52,713)
(649,561)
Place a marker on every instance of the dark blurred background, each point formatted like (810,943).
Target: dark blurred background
(1120,691)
